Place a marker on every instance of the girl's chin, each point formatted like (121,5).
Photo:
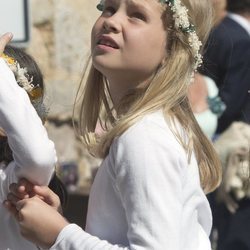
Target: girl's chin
(104,67)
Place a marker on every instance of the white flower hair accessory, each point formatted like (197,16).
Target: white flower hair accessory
(181,19)
(21,74)
(35,92)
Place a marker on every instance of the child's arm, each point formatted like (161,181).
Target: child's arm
(150,193)
(34,154)
(33,212)
(45,205)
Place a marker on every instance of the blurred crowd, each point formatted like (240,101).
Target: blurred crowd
(219,96)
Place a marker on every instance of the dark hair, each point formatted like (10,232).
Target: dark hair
(238,6)
(26,61)
(33,71)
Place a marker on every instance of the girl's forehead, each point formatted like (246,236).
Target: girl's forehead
(147,5)
(132,2)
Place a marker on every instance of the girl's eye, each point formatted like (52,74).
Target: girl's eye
(138,15)
(108,11)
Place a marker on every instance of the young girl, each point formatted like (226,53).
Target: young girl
(149,191)
(25,149)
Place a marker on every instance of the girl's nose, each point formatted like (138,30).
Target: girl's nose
(112,24)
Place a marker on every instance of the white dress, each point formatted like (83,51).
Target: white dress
(34,154)
(145,196)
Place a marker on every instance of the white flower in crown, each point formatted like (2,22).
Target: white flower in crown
(180,15)
(195,45)
(22,78)
(20,73)
(181,19)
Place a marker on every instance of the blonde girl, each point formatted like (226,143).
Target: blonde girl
(149,192)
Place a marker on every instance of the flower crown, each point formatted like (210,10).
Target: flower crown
(21,74)
(35,92)
(180,15)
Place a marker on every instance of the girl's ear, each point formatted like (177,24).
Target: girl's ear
(164,57)
(163,62)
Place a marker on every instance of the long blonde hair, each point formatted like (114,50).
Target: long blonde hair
(167,90)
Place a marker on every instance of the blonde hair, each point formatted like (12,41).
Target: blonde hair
(166,90)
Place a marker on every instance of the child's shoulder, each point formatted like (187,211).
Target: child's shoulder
(149,142)
(151,130)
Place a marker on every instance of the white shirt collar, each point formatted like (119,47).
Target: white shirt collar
(243,22)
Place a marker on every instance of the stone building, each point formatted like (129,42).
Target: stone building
(60,42)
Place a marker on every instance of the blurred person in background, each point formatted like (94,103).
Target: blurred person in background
(227,62)
(219,10)
(203,92)
(206,104)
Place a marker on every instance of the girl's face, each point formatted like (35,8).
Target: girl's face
(129,39)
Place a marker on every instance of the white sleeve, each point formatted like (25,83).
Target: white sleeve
(74,238)
(34,154)
(150,180)
(149,175)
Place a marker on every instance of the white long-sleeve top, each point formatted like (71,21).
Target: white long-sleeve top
(145,196)
(34,154)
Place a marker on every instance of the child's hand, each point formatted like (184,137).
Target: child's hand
(39,222)
(21,190)
(4,40)
(25,189)
(18,191)
(48,196)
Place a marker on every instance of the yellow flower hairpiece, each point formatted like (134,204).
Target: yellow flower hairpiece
(8,59)
(34,92)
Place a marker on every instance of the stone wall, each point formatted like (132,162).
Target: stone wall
(60,42)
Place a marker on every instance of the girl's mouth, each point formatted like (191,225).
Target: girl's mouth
(108,42)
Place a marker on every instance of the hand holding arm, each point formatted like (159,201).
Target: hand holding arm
(32,215)
(25,189)
(32,205)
